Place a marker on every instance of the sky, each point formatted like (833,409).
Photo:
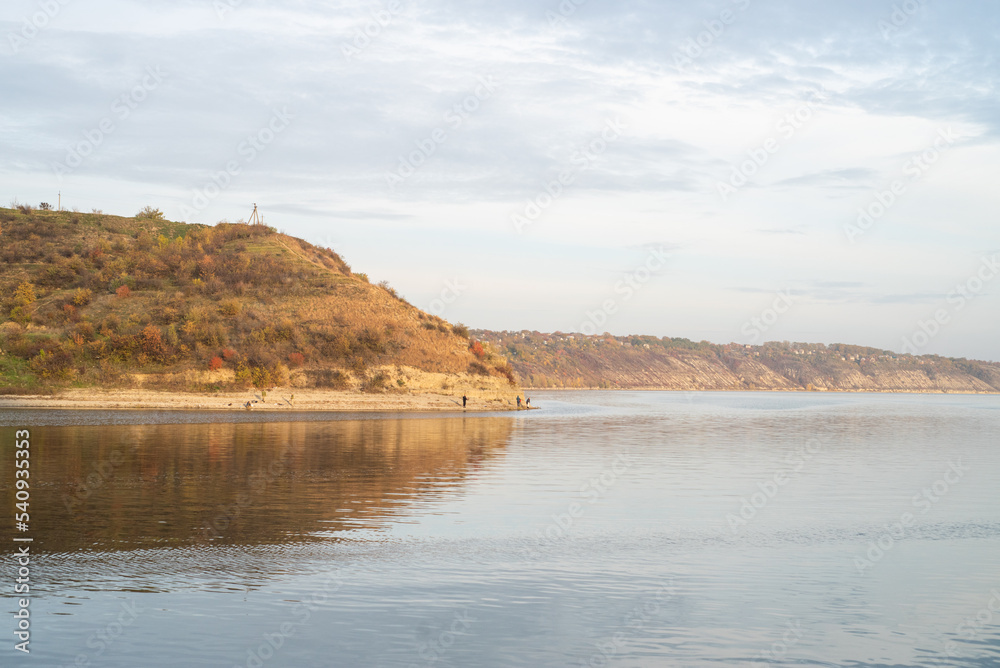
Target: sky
(731,170)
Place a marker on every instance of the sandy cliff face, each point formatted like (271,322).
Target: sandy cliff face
(561,360)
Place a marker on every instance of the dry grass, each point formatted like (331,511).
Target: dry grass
(155,303)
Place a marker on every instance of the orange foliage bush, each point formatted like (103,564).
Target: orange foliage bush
(477,349)
(215,364)
(122,292)
(151,342)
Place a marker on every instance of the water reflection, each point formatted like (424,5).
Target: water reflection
(220,533)
(107,488)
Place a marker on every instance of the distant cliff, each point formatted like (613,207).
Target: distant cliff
(645,362)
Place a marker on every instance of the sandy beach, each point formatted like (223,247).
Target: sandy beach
(277,400)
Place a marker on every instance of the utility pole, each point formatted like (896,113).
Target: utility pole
(59,208)
(255,217)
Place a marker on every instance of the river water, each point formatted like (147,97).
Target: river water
(605,529)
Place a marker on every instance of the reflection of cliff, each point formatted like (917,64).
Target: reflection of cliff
(124,487)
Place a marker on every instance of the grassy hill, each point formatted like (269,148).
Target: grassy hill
(647,362)
(101,300)
(93,300)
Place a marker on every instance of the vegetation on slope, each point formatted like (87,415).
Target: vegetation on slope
(620,362)
(94,299)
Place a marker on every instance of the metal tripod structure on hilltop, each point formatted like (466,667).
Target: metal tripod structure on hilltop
(255,218)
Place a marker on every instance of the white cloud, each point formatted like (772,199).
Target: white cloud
(881,101)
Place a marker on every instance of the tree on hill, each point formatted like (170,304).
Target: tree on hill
(149,213)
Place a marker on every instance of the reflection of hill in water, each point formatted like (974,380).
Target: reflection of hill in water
(174,485)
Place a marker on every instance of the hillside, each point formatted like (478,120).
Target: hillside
(93,300)
(646,362)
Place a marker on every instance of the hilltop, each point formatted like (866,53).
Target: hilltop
(646,362)
(102,301)
(128,304)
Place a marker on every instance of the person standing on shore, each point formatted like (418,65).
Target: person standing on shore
(464,400)
(519,402)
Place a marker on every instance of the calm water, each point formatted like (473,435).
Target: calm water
(620,529)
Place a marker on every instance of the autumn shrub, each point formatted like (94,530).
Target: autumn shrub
(374,341)
(57,276)
(334,379)
(260,375)
(507,371)
(461,330)
(115,271)
(26,347)
(230,307)
(215,364)
(122,347)
(478,369)
(52,363)
(243,375)
(151,343)
(23,303)
(285,330)
(82,297)
(86,330)
(122,292)
(149,213)
(295,360)
(170,336)
(377,382)
(21,315)
(24,294)
(111,324)
(388,288)
(477,349)
(213,336)
(10,331)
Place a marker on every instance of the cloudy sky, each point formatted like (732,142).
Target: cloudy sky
(730,170)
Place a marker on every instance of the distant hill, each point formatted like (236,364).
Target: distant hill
(93,300)
(646,362)
(100,300)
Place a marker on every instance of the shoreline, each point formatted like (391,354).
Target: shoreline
(762,390)
(276,401)
(340,401)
